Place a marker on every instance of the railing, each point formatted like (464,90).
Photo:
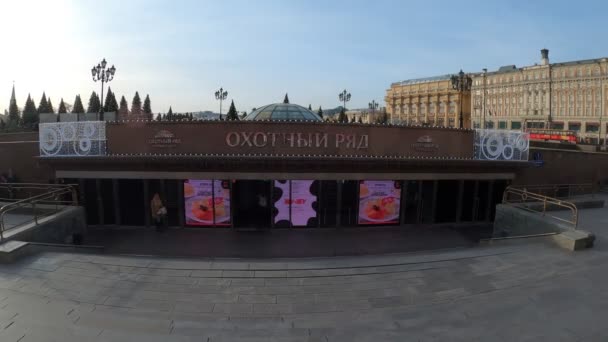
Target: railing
(31,202)
(559,190)
(530,201)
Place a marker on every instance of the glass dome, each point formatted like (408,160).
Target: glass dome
(283,111)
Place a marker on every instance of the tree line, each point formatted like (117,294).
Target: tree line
(29,117)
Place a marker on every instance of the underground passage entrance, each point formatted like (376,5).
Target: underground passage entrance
(252,200)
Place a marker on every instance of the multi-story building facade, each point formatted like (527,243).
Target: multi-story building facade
(563,96)
(431,101)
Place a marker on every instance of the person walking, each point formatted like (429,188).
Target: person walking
(159,212)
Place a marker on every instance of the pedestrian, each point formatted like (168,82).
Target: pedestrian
(159,212)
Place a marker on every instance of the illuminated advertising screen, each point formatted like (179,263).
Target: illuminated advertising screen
(282,196)
(379,202)
(207,203)
(302,201)
(294,204)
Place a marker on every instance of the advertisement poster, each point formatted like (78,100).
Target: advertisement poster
(379,202)
(207,203)
(281,205)
(302,200)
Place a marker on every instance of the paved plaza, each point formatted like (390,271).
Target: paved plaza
(519,291)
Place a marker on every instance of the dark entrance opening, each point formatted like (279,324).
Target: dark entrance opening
(252,203)
(447,201)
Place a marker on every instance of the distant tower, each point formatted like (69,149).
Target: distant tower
(544,57)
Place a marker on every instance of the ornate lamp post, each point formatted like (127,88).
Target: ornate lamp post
(373,106)
(221,96)
(344,97)
(103,74)
(462,83)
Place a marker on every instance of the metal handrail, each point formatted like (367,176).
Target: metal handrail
(523,196)
(52,196)
(559,190)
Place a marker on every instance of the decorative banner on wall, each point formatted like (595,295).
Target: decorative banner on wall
(72,139)
(207,203)
(379,202)
(500,144)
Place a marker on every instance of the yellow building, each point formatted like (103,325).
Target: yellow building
(569,95)
(430,101)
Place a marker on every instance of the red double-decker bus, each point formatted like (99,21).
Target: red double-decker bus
(552,135)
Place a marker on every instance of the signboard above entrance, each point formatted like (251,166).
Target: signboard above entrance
(288,138)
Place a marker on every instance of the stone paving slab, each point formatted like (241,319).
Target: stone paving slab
(525,292)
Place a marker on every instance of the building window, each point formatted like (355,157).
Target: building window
(516,125)
(490,124)
(592,127)
(574,126)
(557,125)
(442,108)
(502,125)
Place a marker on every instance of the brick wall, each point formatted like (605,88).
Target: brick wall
(18,152)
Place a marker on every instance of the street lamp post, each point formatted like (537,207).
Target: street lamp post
(344,97)
(373,106)
(461,82)
(221,96)
(105,75)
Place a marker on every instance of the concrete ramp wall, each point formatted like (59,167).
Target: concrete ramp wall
(513,221)
(56,228)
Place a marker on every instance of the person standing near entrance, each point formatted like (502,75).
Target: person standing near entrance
(159,212)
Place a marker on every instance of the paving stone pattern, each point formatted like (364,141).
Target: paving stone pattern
(514,292)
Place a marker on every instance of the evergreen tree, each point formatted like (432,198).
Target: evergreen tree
(94,103)
(232,113)
(61,108)
(352,120)
(2,124)
(30,114)
(360,120)
(342,117)
(136,105)
(123,110)
(158,117)
(13,110)
(147,106)
(110,104)
(49,106)
(286,99)
(244,115)
(170,114)
(310,107)
(78,107)
(43,106)
(320,112)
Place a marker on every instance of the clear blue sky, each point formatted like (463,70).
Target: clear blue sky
(180,52)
